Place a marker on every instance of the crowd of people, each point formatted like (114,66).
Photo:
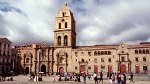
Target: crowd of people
(7,76)
(115,78)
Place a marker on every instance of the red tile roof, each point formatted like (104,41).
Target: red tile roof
(113,46)
(98,47)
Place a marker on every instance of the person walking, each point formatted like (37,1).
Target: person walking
(113,78)
(89,76)
(53,79)
(95,78)
(65,74)
(84,77)
(119,78)
(101,77)
(123,78)
(78,78)
(108,76)
(131,77)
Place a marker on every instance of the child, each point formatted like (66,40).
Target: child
(53,79)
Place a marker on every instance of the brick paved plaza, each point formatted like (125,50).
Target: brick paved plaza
(21,79)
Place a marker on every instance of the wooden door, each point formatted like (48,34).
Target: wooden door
(43,69)
(82,68)
(137,69)
(109,68)
(61,70)
(123,68)
(96,68)
(27,70)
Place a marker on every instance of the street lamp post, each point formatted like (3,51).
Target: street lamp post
(114,65)
(39,51)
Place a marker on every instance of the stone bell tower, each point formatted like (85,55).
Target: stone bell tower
(64,33)
(64,40)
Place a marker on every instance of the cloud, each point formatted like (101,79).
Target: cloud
(114,21)
(32,24)
(97,21)
(4,32)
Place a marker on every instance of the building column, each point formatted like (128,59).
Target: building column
(119,64)
(66,61)
(24,64)
(57,62)
(48,61)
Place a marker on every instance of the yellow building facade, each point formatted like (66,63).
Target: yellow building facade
(65,56)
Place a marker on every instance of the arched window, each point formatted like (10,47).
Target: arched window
(105,52)
(102,52)
(76,68)
(136,51)
(59,41)
(89,67)
(144,51)
(61,60)
(0,44)
(147,51)
(99,52)
(27,60)
(59,25)
(95,53)
(140,51)
(122,59)
(65,24)
(82,60)
(109,53)
(144,58)
(63,14)
(65,40)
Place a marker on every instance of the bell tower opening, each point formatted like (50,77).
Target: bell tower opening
(59,41)
(63,14)
(65,24)
(65,40)
(59,25)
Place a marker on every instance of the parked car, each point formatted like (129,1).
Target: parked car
(9,76)
(40,76)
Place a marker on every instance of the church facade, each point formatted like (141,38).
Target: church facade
(65,56)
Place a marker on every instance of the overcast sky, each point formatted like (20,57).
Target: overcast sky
(97,21)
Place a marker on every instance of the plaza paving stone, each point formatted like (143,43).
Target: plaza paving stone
(21,79)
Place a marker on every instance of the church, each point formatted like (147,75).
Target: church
(65,56)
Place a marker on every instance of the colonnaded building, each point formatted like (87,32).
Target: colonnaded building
(65,56)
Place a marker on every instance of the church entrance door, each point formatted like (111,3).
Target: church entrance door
(123,68)
(109,68)
(27,70)
(96,68)
(43,69)
(82,68)
(61,70)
